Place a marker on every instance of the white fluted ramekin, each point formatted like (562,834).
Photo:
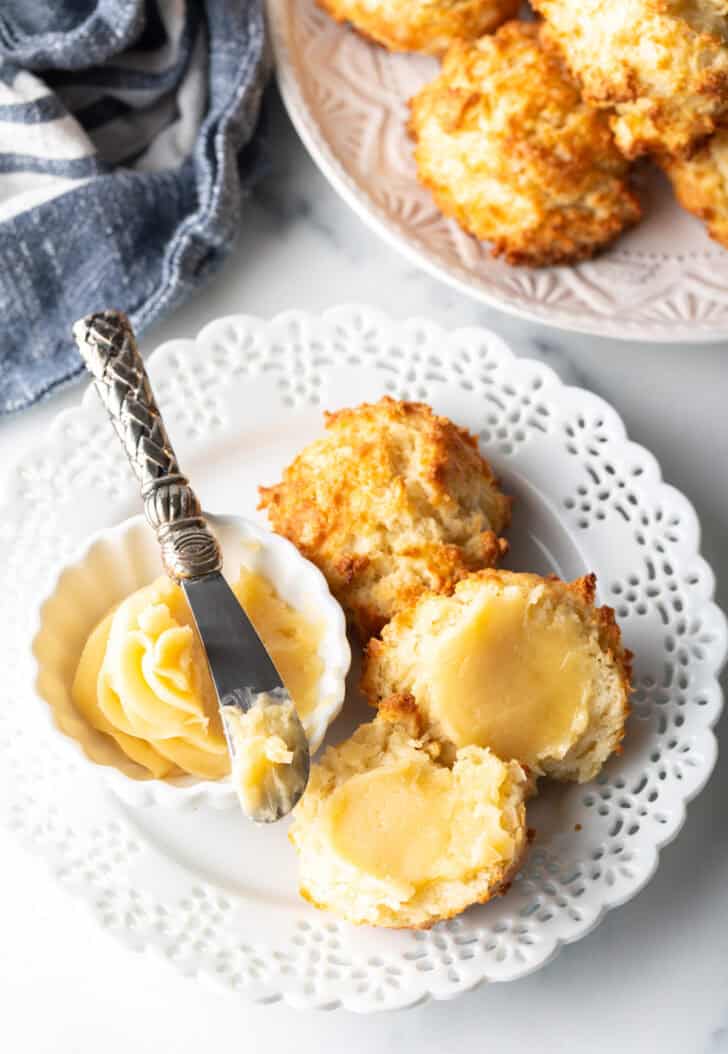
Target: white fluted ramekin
(117,561)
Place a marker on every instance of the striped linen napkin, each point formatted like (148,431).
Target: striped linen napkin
(127,136)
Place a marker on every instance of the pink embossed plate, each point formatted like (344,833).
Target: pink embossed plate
(663,281)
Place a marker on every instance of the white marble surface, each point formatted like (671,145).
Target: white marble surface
(653,976)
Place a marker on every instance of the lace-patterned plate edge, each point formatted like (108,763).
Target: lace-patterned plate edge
(716,619)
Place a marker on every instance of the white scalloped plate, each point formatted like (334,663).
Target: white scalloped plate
(663,281)
(217,896)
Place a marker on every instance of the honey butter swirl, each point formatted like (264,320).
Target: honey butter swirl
(143,679)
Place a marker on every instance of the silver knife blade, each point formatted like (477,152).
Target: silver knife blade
(237,656)
(246,680)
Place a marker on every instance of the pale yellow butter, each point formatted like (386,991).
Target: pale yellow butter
(517,685)
(267,768)
(406,823)
(143,679)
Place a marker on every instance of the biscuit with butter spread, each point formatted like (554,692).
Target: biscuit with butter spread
(525,665)
(392,501)
(389,834)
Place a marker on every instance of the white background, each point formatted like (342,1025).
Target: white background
(654,975)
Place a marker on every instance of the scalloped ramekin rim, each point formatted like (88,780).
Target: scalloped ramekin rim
(191,792)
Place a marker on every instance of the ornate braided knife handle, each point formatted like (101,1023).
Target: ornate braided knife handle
(109,349)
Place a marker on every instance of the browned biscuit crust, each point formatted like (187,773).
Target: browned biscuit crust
(428,26)
(659,66)
(509,149)
(701,183)
(392,501)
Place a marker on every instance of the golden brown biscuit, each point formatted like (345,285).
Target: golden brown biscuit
(388,834)
(661,64)
(701,183)
(508,149)
(429,26)
(525,665)
(392,501)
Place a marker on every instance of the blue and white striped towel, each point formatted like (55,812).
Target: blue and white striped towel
(127,136)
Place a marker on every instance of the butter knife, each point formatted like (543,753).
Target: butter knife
(250,692)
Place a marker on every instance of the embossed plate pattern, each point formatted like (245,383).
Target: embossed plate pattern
(663,281)
(217,896)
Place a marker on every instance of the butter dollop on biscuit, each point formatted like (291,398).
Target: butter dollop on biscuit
(389,833)
(525,665)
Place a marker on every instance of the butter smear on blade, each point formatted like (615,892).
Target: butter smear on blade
(268,765)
